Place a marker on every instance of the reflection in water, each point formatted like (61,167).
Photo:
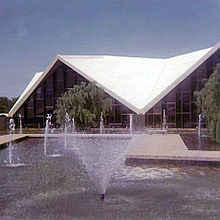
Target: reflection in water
(193,142)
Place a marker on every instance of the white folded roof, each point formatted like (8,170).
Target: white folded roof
(138,83)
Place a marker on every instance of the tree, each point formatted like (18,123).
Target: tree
(218,97)
(6,104)
(207,102)
(84,103)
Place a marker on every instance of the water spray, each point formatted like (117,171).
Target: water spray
(101,124)
(131,124)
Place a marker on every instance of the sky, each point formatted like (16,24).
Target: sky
(32,32)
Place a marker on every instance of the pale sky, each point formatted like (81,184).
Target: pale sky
(32,32)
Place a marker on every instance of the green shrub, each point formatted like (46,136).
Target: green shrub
(84,103)
(207,102)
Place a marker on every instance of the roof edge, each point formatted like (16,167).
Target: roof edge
(20,100)
(181,78)
(120,99)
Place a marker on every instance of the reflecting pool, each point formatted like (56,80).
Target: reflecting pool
(60,188)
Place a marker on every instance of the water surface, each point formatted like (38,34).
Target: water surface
(60,188)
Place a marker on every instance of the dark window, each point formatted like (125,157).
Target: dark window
(194,118)
(70,76)
(202,72)
(179,120)
(157,120)
(178,102)
(171,113)
(39,111)
(194,85)
(39,93)
(39,103)
(49,97)
(112,114)
(30,101)
(186,121)
(49,82)
(186,97)
(186,84)
(193,108)
(186,107)
(118,113)
(171,97)
(178,88)
(30,115)
(150,120)
(60,74)
(151,110)
(157,108)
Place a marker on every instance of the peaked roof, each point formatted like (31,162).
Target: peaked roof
(138,83)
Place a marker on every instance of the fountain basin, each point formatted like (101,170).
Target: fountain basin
(60,188)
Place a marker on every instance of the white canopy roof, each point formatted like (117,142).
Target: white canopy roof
(138,83)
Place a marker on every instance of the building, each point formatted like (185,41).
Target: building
(143,86)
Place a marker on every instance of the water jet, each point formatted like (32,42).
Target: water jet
(102,197)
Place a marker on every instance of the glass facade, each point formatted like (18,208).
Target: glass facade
(60,79)
(179,104)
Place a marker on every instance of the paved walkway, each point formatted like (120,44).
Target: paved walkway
(167,147)
(4,139)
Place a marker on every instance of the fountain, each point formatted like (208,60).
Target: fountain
(199,125)
(164,119)
(101,156)
(66,129)
(11,126)
(20,123)
(46,132)
(73,126)
(101,126)
(131,123)
(12,160)
(10,147)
